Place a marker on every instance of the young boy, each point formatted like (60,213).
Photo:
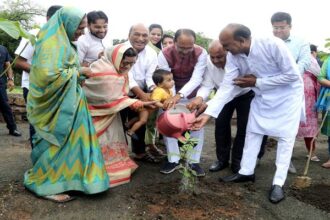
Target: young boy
(164,81)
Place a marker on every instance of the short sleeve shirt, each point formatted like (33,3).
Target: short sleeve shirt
(160,94)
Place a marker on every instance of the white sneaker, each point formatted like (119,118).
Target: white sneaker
(292,169)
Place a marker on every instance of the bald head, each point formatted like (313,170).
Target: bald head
(138,36)
(217,54)
(236,38)
(215,45)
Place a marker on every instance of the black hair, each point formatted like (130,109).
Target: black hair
(95,15)
(166,36)
(153,26)
(52,9)
(158,76)
(239,31)
(130,52)
(180,32)
(281,16)
(313,48)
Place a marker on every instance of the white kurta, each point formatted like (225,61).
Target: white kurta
(277,106)
(89,47)
(27,53)
(141,72)
(213,78)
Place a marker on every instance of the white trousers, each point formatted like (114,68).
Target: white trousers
(173,151)
(283,156)
(172,147)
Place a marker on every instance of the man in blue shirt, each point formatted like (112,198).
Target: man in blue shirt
(6,79)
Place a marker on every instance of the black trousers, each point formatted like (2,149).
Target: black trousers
(138,147)
(6,109)
(31,129)
(223,129)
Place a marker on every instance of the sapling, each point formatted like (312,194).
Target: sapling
(189,179)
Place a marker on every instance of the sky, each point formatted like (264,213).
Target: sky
(209,16)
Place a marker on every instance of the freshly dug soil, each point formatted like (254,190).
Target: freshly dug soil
(316,195)
(211,200)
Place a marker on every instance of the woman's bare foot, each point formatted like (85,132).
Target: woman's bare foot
(326,164)
(59,198)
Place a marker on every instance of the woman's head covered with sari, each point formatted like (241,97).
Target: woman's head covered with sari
(107,88)
(120,58)
(54,91)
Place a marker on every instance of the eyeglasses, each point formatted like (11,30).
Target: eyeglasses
(280,28)
(183,49)
(127,63)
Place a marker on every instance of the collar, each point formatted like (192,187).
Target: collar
(288,39)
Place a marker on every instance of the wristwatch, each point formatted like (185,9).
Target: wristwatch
(181,95)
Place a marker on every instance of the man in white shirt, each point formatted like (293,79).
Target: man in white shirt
(91,45)
(300,49)
(267,66)
(24,53)
(213,78)
(187,62)
(140,84)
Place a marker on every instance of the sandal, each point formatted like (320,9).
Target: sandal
(147,157)
(314,158)
(155,151)
(133,135)
(57,198)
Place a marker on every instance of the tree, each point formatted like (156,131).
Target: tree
(201,40)
(323,54)
(118,41)
(16,18)
(23,11)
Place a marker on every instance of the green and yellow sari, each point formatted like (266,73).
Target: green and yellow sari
(66,154)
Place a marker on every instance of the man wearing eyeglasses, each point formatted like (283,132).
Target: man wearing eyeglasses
(187,62)
(300,49)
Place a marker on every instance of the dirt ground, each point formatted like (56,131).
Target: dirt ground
(152,195)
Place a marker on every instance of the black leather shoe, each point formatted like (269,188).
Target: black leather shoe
(276,194)
(237,178)
(217,166)
(15,133)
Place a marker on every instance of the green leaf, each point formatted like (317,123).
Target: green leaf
(27,35)
(323,57)
(327,44)
(187,135)
(10,27)
(15,30)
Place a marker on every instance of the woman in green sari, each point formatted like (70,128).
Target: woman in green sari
(66,154)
